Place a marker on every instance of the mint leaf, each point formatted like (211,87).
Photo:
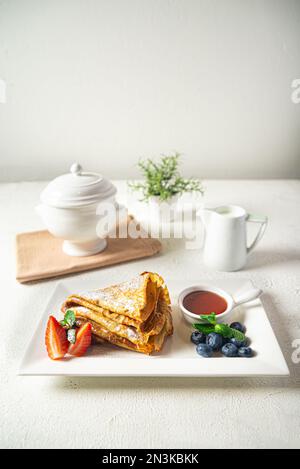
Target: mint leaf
(71,336)
(228,332)
(205,328)
(238,335)
(224,330)
(211,318)
(69,319)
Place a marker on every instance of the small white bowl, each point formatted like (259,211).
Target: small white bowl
(232,303)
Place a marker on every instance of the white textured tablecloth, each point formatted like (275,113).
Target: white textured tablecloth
(39,412)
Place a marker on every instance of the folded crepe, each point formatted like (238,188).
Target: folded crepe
(135,315)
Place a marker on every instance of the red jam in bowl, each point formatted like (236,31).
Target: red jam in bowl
(204,302)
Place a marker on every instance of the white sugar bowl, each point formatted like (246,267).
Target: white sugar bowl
(70,211)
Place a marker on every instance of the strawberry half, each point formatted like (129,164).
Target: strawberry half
(83,340)
(56,339)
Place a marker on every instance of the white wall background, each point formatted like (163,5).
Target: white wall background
(105,82)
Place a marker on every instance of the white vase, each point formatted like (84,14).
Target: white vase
(162,211)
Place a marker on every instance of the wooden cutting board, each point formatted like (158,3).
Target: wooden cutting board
(39,255)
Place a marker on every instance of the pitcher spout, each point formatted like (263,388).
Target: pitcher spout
(205,215)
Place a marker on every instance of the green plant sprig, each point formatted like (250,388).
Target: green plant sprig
(163,180)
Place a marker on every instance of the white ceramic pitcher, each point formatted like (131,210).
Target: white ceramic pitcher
(225,245)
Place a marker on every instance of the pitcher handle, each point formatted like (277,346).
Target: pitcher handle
(263,225)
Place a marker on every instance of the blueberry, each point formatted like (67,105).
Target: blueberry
(238,343)
(230,350)
(226,340)
(214,340)
(204,350)
(245,352)
(198,337)
(238,326)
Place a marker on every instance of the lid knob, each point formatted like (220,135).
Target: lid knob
(76,169)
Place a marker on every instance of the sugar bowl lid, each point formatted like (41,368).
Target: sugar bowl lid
(77,188)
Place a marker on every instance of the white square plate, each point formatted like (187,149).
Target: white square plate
(178,357)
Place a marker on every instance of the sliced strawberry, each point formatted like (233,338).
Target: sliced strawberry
(56,339)
(83,340)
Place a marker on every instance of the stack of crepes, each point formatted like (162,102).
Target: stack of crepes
(135,315)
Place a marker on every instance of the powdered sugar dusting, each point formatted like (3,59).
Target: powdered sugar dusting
(133,284)
(113,297)
(80,309)
(130,332)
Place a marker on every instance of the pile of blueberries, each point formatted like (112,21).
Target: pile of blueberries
(206,345)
